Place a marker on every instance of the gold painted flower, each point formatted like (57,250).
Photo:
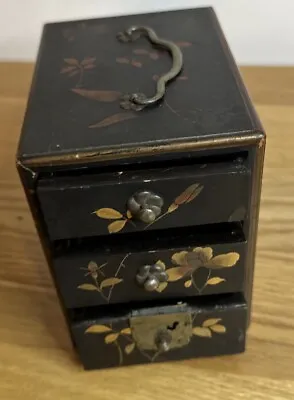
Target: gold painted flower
(188,262)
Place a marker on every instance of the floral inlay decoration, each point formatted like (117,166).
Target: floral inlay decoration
(74,67)
(125,344)
(137,59)
(187,263)
(186,266)
(122,219)
(99,282)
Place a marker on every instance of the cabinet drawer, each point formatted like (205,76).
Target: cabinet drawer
(160,333)
(183,269)
(95,205)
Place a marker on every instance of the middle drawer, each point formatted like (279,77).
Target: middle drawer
(95,276)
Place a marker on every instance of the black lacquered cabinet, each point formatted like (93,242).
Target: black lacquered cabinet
(141,157)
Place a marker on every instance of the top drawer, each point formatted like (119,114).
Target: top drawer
(92,205)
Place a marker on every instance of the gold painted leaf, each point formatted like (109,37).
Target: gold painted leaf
(176,273)
(98,329)
(129,348)
(189,194)
(111,338)
(172,208)
(137,64)
(201,331)
(117,226)
(215,280)
(106,96)
(140,51)
(224,260)
(195,194)
(129,214)
(89,66)
(210,322)
(154,56)
(161,264)
(71,61)
(74,73)
(126,331)
(67,69)
(161,287)
(188,283)
(88,286)
(113,119)
(180,258)
(88,60)
(108,213)
(110,282)
(218,328)
(184,44)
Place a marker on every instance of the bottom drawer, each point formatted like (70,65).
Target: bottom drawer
(174,331)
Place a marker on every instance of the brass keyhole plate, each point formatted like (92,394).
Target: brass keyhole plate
(145,329)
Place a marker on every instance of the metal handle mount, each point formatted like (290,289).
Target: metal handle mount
(138,101)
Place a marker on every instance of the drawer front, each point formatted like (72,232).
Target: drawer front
(116,203)
(157,334)
(92,278)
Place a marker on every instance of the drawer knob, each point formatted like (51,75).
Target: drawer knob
(163,341)
(145,206)
(150,276)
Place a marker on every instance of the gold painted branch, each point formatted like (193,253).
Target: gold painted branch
(206,330)
(121,220)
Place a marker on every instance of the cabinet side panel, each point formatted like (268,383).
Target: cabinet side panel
(28,179)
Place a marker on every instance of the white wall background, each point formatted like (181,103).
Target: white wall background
(258,31)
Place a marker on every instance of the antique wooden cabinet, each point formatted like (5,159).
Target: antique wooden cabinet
(141,157)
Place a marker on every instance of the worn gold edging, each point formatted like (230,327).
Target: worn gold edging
(254,218)
(121,153)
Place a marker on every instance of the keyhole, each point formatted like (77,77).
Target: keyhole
(173,326)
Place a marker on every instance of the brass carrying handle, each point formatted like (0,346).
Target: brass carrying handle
(137,101)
